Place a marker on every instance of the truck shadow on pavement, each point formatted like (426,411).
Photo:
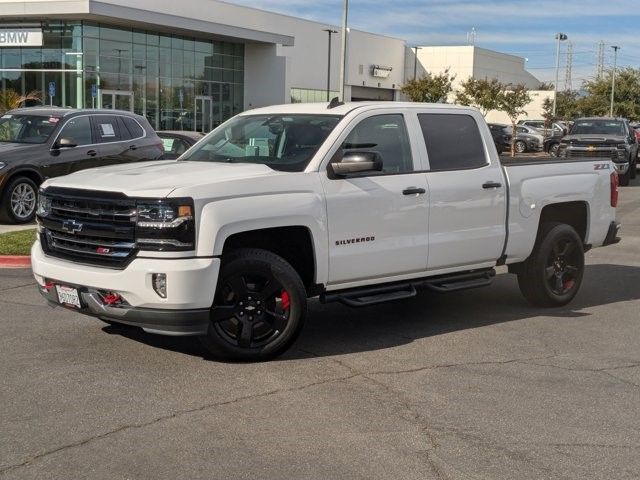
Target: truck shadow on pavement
(334,329)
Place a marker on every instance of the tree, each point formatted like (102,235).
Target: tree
(545,86)
(482,94)
(429,88)
(513,103)
(10,99)
(597,100)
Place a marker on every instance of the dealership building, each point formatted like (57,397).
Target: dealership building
(188,64)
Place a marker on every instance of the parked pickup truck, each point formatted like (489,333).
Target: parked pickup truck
(356,203)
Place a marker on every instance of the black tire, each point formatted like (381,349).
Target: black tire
(259,308)
(19,201)
(520,146)
(553,149)
(552,275)
(623,180)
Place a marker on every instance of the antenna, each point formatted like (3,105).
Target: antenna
(600,62)
(567,77)
(335,102)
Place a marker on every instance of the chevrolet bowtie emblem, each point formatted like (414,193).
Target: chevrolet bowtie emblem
(71,226)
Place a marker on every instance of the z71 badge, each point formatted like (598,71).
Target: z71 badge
(601,166)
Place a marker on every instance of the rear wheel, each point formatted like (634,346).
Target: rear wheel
(553,150)
(552,275)
(624,179)
(259,308)
(520,146)
(19,201)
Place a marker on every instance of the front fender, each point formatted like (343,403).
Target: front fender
(220,219)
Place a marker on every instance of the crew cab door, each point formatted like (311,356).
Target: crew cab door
(467,218)
(377,222)
(65,160)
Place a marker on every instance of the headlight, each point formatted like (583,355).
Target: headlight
(166,225)
(44,205)
(2,165)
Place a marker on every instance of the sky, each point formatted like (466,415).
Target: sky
(523,28)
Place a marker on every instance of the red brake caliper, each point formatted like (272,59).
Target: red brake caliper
(286,301)
(568,285)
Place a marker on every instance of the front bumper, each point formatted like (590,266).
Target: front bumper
(191,285)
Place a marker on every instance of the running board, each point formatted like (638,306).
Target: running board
(365,296)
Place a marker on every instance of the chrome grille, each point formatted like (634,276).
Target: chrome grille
(89,227)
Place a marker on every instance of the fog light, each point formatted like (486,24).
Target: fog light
(111,298)
(159,281)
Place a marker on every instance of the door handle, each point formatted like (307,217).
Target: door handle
(133,147)
(489,185)
(414,191)
(92,153)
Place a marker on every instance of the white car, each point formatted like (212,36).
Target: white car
(359,203)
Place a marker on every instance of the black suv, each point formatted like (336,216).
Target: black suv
(39,143)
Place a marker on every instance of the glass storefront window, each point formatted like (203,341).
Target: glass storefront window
(167,78)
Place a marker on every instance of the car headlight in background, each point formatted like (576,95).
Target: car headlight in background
(166,225)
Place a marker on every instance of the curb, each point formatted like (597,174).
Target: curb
(15,261)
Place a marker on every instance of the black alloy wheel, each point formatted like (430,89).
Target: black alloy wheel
(552,275)
(259,307)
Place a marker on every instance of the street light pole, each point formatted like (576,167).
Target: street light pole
(330,32)
(559,37)
(415,61)
(613,79)
(343,63)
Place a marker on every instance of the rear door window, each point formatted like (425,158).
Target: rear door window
(453,141)
(106,128)
(133,127)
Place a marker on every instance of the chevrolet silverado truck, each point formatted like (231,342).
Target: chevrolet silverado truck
(603,138)
(355,203)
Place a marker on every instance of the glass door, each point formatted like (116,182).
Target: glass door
(203,112)
(117,100)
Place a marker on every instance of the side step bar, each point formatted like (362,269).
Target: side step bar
(365,296)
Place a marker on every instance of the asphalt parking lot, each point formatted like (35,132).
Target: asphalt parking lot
(472,385)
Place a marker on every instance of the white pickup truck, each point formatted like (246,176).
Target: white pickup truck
(356,203)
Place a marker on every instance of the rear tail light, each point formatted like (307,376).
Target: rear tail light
(614,189)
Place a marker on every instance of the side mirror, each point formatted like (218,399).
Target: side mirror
(354,162)
(66,143)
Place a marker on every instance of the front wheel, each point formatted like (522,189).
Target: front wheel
(259,308)
(553,151)
(552,275)
(520,146)
(19,201)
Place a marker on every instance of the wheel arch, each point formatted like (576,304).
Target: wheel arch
(293,243)
(30,173)
(574,214)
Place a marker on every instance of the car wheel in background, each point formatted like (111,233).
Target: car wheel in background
(520,146)
(19,201)
(553,150)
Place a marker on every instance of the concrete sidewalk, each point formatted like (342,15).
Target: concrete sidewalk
(6,228)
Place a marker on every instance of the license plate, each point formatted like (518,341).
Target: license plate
(68,296)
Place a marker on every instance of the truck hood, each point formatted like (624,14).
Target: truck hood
(159,178)
(591,139)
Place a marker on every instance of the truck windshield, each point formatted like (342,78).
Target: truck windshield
(282,142)
(598,127)
(26,128)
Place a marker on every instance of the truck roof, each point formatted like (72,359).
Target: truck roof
(321,108)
